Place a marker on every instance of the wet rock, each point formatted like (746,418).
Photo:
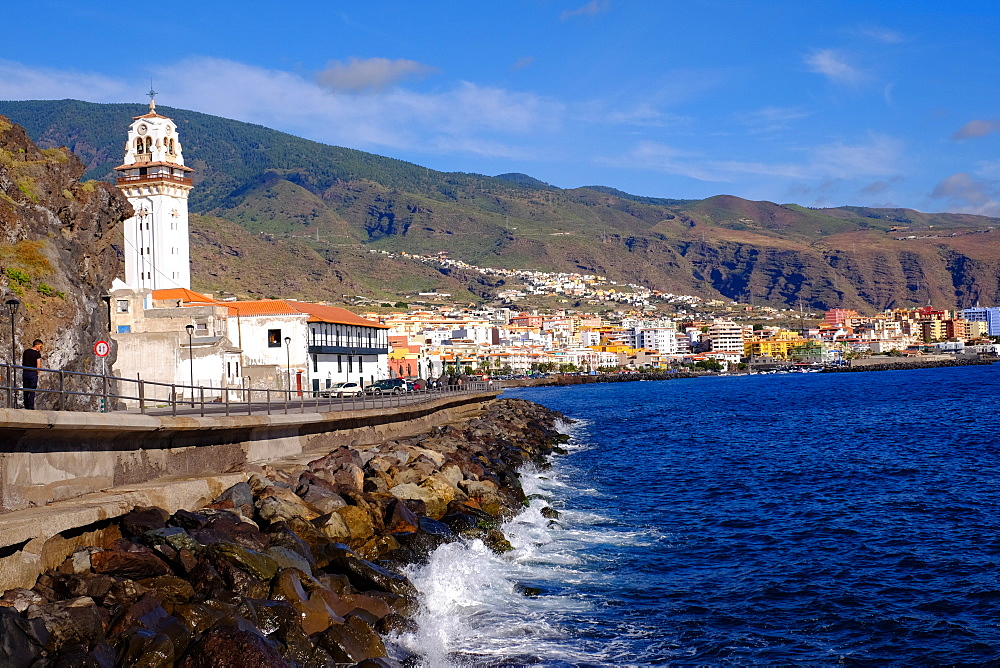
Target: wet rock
(141,520)
(379,662)
(188,520)
(434,504)
(256,563)
(75,621)
(286,558)
(239,494)
(550,513)
(365,575)
(358,522)
(122,594)
(396,624)
(19,599)
(401,519)
(280,621)
(207,580)
(79,656)
(224,526)
(134,564)
(322,499)
(96,587)
(22,641)
(315,610)
(496,541)
(169,588)
(279,535)
(200,617)
(277,509)
(142,647)
(227,646)
(332,526)
(354,640)
(175,537)
(79,561)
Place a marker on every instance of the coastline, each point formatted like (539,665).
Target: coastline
(300,566)
(903,366)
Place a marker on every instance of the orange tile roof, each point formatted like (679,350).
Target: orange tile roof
(183,294)
(316,312)
(260,307)
(333,314)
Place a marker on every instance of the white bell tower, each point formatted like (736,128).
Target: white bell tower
(156,182)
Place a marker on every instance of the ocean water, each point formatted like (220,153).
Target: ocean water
(803,519)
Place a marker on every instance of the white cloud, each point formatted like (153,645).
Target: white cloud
(372,74)
(466,118)
(883,35)
(590,9)
(880,156)
(769,119)
(834,65)
(967,194)
(977,128)
(21,82)
(522,62)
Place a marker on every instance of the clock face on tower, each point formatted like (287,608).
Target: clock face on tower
(142,129)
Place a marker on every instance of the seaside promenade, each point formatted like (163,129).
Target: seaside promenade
(63,474)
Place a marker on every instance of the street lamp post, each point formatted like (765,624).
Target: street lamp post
(12,305)
(190,331)
(288,365)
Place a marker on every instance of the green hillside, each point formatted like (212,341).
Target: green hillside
(336,203)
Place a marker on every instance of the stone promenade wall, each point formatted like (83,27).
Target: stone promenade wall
(50,456)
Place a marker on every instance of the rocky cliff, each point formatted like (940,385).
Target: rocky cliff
(57,257)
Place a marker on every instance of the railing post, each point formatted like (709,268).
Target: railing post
(62,390)
(268,392)
(226,391)
(201,393)
(104,393)
(142,397)
(173,398)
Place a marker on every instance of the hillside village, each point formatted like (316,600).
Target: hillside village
(166,332)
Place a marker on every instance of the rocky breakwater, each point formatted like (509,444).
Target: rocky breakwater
(300,566)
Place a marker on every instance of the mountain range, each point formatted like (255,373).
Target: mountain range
(278,215)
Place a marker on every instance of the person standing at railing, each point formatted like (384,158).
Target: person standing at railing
(31,360)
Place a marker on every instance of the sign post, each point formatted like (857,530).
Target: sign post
(101,349)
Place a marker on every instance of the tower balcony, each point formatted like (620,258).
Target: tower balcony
(138,179)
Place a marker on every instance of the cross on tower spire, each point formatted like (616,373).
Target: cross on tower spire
(151,94)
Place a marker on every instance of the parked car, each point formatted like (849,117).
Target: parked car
(341,390)
(387,386)
(416,384)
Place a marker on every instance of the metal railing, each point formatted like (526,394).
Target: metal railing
(71,390)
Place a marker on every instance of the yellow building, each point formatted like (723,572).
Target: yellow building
(778,346)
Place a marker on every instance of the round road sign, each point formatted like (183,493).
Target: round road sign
(102,348)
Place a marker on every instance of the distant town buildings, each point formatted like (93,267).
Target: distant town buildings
(165,332)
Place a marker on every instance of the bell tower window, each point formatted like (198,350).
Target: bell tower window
(139,146)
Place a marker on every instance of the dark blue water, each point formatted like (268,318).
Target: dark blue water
(822,519)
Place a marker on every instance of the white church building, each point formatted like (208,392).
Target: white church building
(167,333)
(157,183)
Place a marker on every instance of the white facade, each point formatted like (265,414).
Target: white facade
(726,336)
(662,339)
(156,182)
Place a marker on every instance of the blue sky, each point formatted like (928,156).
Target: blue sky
(820,103)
